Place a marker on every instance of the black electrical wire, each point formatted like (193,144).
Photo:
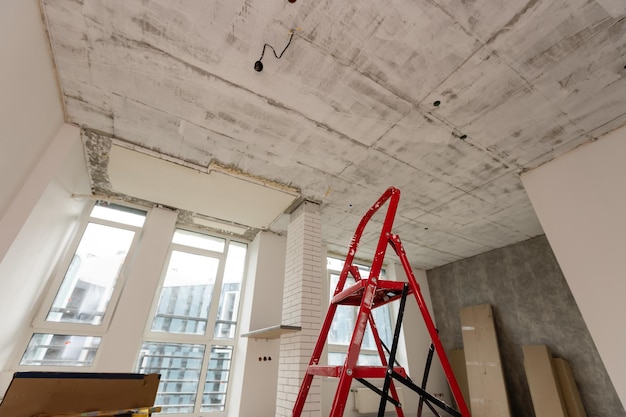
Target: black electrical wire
(259,65)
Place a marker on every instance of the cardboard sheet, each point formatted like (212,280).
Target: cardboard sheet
(54,393)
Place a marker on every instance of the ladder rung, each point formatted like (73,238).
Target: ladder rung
(386,291)
(324,370)
(358,372)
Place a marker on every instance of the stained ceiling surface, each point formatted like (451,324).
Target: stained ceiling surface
(447,100)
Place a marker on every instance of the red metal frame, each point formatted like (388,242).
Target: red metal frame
(367,294)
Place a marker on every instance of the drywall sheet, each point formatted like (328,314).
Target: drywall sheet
(487,391)
(571,396)
(53,393)
(544,387)
(456,357)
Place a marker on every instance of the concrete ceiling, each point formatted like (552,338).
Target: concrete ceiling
(350,108)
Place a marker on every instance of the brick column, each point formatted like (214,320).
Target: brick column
(301,307)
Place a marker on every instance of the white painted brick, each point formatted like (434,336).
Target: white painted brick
(301,304)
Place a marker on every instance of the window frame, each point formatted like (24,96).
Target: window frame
(59,274)
(335,348)
(208,339)
(152,336)
(39,324)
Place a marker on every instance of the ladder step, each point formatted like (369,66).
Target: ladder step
(386,292)
(358,371)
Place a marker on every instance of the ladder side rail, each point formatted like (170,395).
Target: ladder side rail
(315,359)
(391,192)
(441,353)
(408,378)
(393,195)
(343,275)
(383,240)
(392,353)
(383,361)
(354,349)
(354,270)
(429,397)
(348,267)
(429,361)
(377,391)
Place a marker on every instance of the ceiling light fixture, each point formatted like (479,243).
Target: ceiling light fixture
(258,66)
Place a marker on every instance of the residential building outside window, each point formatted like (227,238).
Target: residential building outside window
(69,328)
(190,339)
(344,321)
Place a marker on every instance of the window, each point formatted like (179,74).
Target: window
(344,321)
(60,350)
(68,331)
(191,337)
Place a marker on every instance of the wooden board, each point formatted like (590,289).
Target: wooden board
(571,396)
(487,390)
(34,393)
(456,357)
(542,382)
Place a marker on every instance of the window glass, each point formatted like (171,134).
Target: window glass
(84,289)
(343,323)
(119,214)
(60,350)
(199,304)
(180,366)
(216,382)
(382,319)
(89,281)
(186,294)
(342,327)
(365,359)
(198,240)
(226,322)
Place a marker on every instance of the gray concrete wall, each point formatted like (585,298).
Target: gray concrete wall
(532,304)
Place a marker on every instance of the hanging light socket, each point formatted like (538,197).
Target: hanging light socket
(258,65)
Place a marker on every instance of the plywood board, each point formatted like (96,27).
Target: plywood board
(571,396)
(53,393)
(456,357)
(487,390)
(544,387)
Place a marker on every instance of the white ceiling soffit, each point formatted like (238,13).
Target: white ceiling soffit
(213,194)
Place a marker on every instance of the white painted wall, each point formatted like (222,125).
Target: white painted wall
(120,348)
(415,343)
(580,199)
(261,308)
(41,166)
(31,112)
(40,237)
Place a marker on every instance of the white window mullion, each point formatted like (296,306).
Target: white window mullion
(215,298)
(74,316)
(60,270)
(187,243)
(203,373)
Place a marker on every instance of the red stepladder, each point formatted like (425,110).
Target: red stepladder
(369,293)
